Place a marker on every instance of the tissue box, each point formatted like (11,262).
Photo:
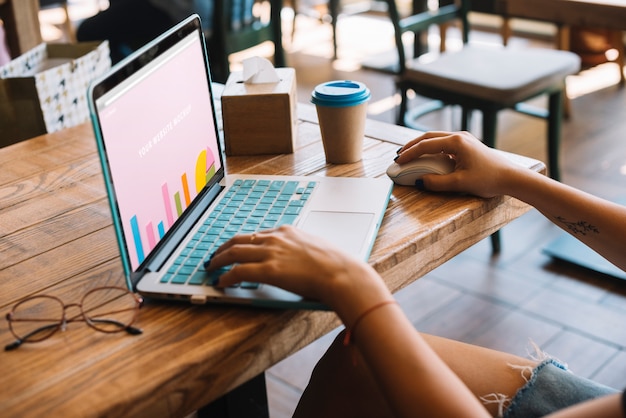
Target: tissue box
(260,118)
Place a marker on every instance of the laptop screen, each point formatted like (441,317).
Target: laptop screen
(158,132)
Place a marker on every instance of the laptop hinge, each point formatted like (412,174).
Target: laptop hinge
(182,228)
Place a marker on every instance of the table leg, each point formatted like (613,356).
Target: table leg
(248,400)
(563,43)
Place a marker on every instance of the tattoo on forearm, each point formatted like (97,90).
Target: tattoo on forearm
(579,227)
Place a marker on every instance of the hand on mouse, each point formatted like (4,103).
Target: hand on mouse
(479,169)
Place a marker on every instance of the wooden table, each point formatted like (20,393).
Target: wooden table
(597,14)
(56,238)
(605,14)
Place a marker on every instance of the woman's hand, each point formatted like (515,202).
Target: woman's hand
(479,170)
(299,262)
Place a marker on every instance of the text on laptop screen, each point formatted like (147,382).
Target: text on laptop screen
(145,121)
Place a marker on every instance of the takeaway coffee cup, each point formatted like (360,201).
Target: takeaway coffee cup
(341,109)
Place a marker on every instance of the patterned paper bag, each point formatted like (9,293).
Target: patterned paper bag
(45,89)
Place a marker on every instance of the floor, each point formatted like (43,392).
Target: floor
(521,295)
(505,301)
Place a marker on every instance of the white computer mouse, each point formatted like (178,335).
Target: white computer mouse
(406,174)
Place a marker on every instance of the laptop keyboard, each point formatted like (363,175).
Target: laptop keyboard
(248,206)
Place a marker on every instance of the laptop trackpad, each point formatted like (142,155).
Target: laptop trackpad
(348,231)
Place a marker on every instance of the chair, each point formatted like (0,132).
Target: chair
(235,29)
(485,79)
(332,7)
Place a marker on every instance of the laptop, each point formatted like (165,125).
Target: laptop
(156,128)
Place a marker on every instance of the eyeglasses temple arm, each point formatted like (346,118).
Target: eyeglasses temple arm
(20,341)
(13,345)
(128,328)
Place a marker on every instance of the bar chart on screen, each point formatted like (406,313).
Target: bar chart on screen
(175,200)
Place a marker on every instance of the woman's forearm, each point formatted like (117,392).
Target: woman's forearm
(407,370)
(598,223)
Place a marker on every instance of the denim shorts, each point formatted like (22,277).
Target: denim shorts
(552,387)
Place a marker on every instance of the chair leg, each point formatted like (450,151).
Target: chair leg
(490,126)
(563,43)
(277,33)
(403,105)
(333,6)
(505,30)
(496,242)
(490,122)
(555,116)
(466,118)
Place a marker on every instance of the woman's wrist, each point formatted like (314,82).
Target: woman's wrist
(523,183)
(350,330)
(510,177)
(357,291)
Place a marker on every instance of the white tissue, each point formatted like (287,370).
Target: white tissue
(258,70)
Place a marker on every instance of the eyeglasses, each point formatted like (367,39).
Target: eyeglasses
(105,309)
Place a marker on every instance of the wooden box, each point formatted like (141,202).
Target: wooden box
(260,118)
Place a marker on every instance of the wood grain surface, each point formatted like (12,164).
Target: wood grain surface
(56,237)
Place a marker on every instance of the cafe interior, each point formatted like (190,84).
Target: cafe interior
(526,284)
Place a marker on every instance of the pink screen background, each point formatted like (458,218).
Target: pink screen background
(154,135)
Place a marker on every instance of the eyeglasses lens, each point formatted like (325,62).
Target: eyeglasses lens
(110,309)
(37,318)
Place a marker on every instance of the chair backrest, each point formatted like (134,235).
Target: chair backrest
(419,23)
(235,28)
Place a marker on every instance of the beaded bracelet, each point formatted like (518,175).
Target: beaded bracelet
(349,337)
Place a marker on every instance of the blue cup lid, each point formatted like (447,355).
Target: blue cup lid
(340,93)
